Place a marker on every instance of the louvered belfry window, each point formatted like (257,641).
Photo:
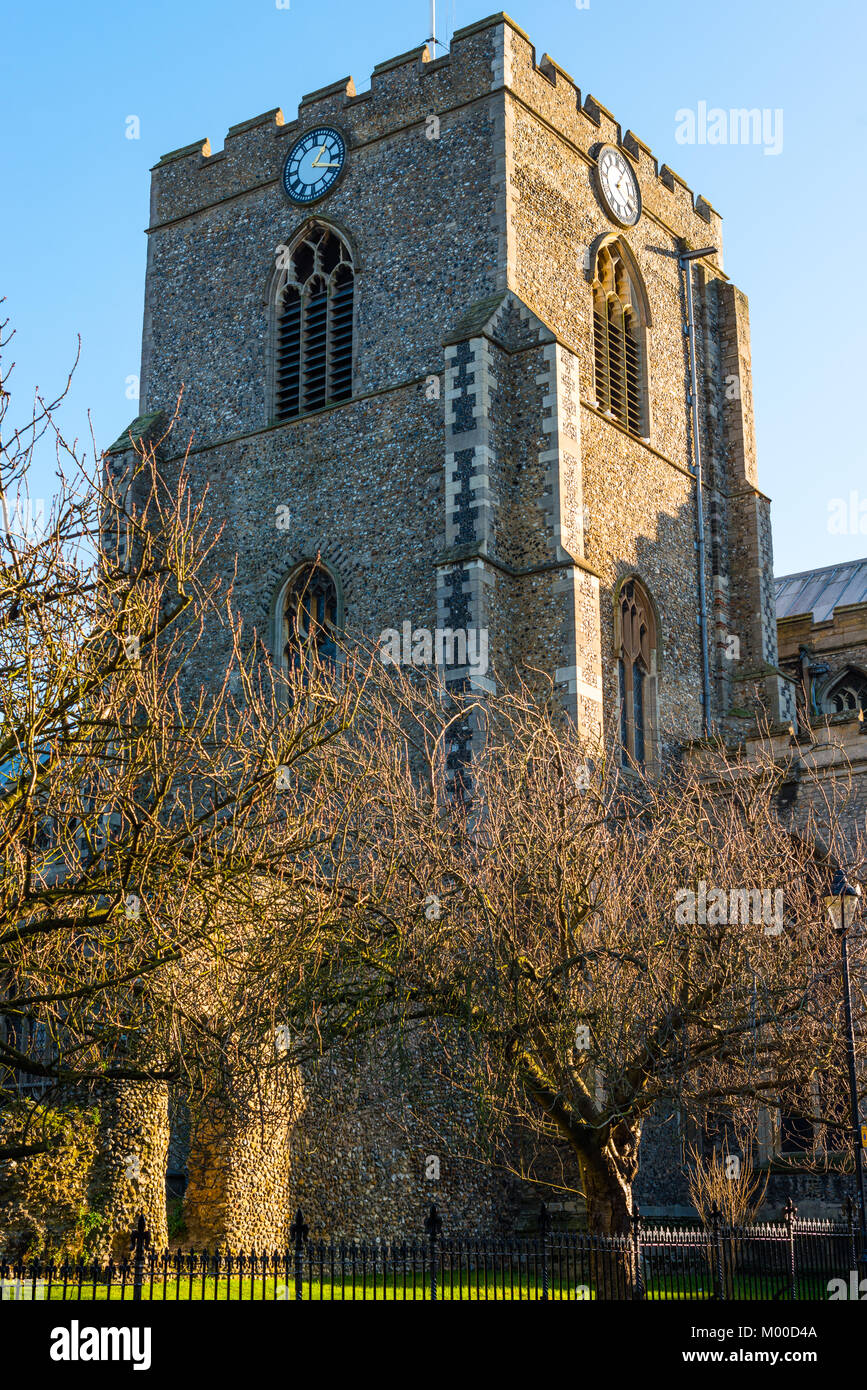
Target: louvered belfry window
(314,324)
(635,670)
(617,343)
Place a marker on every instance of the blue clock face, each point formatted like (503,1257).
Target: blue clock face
(314,164)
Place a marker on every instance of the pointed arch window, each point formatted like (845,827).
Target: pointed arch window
(636,674)
(847,694)
(618,342)
(308,620)
(314,313)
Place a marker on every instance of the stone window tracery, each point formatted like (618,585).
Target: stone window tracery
(618,342)
(847,694)
(309,618)
(636,674)
(314,313)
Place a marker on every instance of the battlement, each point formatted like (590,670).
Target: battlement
(404,91)
(550,91)
(491,56)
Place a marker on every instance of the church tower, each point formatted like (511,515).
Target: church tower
(438,332)
(450,335)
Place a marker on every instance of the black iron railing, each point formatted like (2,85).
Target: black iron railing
(790,1260)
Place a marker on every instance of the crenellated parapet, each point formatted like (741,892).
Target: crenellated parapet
(551,93)
(404,91)
(491,56)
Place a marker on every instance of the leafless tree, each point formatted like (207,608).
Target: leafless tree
(588,945)
(143,803)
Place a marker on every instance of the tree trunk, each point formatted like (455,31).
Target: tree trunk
(608,1195)
(607,1155)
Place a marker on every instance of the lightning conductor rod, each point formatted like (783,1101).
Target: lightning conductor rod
(685,258)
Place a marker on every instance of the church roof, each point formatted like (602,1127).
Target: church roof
(821,591)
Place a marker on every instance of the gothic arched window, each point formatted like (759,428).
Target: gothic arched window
(314,306)
(636,673)
(308,619)
(618,341)
(847,694)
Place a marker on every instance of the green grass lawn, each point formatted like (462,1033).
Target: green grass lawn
(232,1288)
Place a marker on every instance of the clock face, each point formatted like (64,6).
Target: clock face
(314,164)
(618,186)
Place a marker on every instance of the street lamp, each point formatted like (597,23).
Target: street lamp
(843,904)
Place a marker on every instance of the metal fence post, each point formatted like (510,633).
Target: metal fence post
(719,1283)
(298,1234)
(545,1223)
(140,1239)
(849,1213)
(433,1225)
(790,1212)
(637,1280)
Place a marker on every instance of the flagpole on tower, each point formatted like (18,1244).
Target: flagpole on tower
(433,40)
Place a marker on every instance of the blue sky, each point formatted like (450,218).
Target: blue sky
(75,188)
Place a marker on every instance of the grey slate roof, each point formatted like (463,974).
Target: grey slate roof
(821,591)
